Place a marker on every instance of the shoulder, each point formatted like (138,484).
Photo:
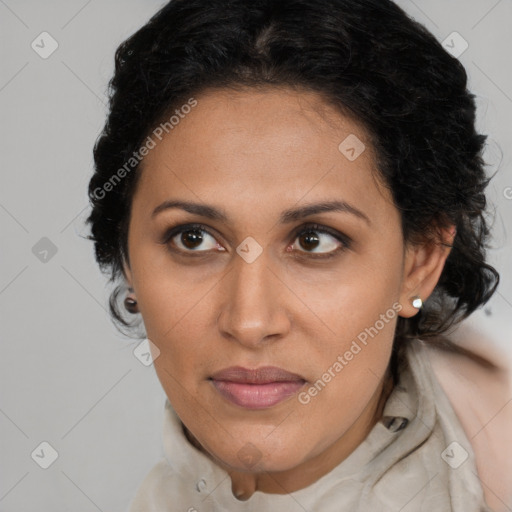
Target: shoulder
(480,391)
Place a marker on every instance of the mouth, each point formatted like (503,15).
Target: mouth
(256,389)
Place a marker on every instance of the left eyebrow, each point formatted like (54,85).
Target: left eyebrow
(295,214)
(287,216)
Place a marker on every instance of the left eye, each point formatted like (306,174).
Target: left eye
(317,240)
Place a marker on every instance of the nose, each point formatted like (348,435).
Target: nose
(253,311)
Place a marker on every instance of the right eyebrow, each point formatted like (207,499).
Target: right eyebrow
(203,210)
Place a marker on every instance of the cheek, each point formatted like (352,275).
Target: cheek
(361,296)
(179,318)
(333,403)
(178,324)
(167,294)
(351,356)
(348,373)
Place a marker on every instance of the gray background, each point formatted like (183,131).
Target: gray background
(67,376)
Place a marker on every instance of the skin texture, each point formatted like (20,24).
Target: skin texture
(254,154)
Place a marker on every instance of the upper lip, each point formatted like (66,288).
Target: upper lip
(263,375)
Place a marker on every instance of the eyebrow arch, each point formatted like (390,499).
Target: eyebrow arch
(287,216)
(295,214)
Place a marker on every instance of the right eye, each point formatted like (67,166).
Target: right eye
(189,237)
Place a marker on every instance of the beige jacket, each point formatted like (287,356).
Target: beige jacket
(417,459)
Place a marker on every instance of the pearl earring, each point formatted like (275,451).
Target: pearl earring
(417,302)
(130,304)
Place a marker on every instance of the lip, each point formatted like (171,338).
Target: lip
(260,388)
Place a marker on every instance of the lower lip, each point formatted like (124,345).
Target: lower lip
(257,396)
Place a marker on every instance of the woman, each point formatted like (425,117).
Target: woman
(291,194)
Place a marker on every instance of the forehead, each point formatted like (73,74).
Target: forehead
(262,148)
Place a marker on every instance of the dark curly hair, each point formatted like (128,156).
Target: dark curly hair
(368,59)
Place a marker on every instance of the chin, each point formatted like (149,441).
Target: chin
(259,456)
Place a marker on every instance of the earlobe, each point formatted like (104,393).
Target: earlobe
(423,266)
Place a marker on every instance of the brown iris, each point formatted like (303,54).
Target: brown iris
(192,238)
(307,239)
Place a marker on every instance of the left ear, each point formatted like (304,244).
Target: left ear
(423,264)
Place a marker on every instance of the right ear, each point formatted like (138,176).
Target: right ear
(127,274)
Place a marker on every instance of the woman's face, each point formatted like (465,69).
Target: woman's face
(255,287)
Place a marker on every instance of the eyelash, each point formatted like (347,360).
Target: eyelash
(306,228)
